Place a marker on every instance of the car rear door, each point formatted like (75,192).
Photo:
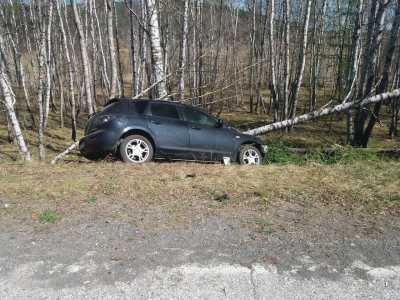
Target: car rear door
(206,140)
(169,129)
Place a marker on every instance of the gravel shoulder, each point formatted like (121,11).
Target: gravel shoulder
(192,233)
(215,258)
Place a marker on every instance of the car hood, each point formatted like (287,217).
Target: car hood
(246,136)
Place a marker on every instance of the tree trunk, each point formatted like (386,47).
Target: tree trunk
(156,50)
(133,51)
(324,112)
(302,61)
(111,42)
(70,72)
(286,72)
(182,62)
(370,65)
(385,77)
(85,59)
(9,100)
(272,61)
(354,66)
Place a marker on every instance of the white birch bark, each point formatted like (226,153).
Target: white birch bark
(302,57)
(9,101)
(70,71)
(64,153)
(104,72)
(156,49)
(47,92)
(182,64)
(355,64)
(324,112)
(286,72)
(133,51)
(272,60)
(142,48)
(85,59)
(111,42)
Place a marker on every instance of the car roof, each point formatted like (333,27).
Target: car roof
(126,99)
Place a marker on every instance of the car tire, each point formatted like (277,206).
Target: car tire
(250,155)
(136,149)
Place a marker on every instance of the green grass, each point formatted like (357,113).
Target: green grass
(49,217)
(279,152)
(91,199)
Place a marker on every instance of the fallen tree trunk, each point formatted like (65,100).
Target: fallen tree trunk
(324,112)
(61,155)
(393,153)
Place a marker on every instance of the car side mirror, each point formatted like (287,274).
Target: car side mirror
(220,123)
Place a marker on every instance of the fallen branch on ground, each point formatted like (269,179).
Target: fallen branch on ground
(393,153)
(61,155)
(324,112)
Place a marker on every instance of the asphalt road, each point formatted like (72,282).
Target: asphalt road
(214,258)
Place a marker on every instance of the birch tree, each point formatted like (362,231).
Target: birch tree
(302,61)
(85,59)
(158,69)
(182,63)
(8,101)
(111,42)
(324,112)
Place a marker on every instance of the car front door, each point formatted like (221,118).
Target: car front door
(207,141)
(169,130)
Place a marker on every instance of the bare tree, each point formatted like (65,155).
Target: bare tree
(85,59)
(111,42)
(158,69)
(302,61)
(182,63)
(9,101)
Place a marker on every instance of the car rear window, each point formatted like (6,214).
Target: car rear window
(164,110)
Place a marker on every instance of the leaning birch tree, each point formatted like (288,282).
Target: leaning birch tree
(8,101)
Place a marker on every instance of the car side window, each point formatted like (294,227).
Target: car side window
(199,118)
(164,110)
(140,106)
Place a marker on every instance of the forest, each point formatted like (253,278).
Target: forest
(278,63)
(313,214)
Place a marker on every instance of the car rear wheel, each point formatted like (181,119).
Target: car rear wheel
(136,149)
(250,155)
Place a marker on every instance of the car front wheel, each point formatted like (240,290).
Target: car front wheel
(250,155)
(136,149)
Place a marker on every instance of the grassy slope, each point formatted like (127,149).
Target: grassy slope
(180,192)
(352,184)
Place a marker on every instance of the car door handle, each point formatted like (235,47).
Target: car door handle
(196,128)
(156,122)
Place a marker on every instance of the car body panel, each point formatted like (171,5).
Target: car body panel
(173,138)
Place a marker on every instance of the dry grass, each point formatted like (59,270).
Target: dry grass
(160,195)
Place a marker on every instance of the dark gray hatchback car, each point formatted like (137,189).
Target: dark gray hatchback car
(141,130)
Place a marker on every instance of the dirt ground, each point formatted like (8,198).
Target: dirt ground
(185,230)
